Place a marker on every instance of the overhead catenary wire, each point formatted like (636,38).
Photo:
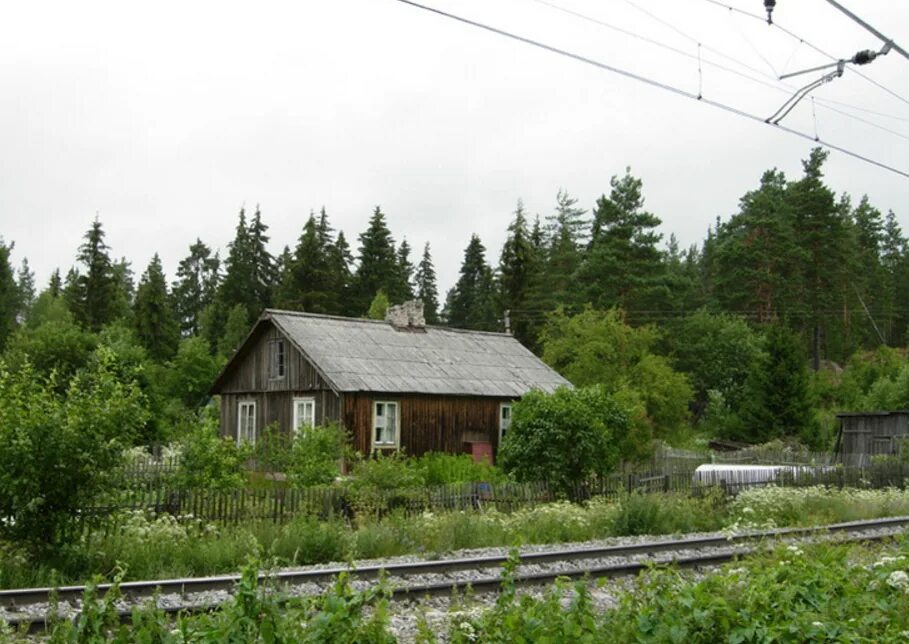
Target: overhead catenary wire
(648,81)
(772,82)
(791,34)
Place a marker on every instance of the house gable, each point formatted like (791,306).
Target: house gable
(252,368)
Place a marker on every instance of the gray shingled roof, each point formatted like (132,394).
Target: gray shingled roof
(368,355)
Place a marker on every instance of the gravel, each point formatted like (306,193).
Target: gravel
(439,611)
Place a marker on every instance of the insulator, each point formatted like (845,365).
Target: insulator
(864,57)
(769,5)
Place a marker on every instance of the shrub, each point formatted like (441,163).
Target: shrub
(565,437)
(210,460)
(60,452)
(315,456)
(436,468)
(379,484)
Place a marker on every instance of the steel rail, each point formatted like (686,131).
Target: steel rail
(286,579)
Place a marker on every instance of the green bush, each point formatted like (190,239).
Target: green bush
(436,468)
(59,453)
(315,456)
(564,438)
(379,484)
(210,460)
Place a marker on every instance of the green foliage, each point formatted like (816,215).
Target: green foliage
(59,452)
(377,483)
(315,455)
(598,347)
(437,468)
(195,287)
(9,295)
(776,402)
(378,266)
(379,306)
(249,273)
(565,437)
(235,331)
(427,289)
(59,347)
(470,304)
(716,351)
(156,326)
(98,296)
(810,593)
(209,460)
(190,373)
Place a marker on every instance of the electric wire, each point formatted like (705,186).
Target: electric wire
(649,81)
(776,85)
(791,34)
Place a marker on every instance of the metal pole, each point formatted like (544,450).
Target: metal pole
(887,41)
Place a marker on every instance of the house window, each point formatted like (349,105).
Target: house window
(385,424)
(246,423)
(304,413)
(276,359)
(504,420)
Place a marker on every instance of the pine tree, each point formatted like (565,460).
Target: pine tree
(894,257)
(518,270)
(236,328)
(95,296)
(471,302)
(822,232)
(427,291)
(754,258)
(9,294)
(624,266)
(377,268)
(195,286)
(156,327)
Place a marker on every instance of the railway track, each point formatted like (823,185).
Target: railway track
(413,580)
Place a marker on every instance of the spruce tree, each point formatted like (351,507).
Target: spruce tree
(195,286)
(776,399)
(26,287)
(156,326)
(518,268)
(311,281)
(341,261)
(236,328)
(405,270)
(567,240)
(427,291)
(240,285)
(263,264)
(95,296)
(9,294)
(55,284)
(471,302)
(378,264)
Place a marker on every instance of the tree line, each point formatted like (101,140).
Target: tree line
(831,273)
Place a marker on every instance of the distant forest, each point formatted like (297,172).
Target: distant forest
(833,272)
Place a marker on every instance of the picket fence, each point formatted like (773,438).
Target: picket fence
(279,505)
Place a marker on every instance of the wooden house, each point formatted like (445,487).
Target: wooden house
(866,434)
(392,384)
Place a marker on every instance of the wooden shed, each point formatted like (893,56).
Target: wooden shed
(393,384)
(874,433)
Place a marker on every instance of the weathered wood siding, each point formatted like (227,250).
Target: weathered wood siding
(427,423)
(249,381)
(873,434)
(252,369)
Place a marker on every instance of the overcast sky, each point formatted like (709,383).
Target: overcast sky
(165,119)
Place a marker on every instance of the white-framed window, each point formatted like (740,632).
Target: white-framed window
(504,420)
(304,414)
(276,358)
(246,422)
(385,424)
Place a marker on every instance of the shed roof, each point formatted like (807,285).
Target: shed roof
(369,355)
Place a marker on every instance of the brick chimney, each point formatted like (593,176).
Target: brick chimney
(407,316)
